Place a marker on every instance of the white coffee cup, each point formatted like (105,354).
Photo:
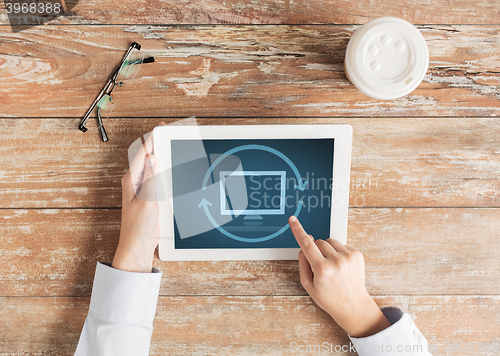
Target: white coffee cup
(386,58)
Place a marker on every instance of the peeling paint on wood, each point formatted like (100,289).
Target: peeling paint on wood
(440,263)
(204,80)
(396,162)
(237,71)
(276,12)
(213,325)
(56,254)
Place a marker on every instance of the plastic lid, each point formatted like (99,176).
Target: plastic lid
(386,58)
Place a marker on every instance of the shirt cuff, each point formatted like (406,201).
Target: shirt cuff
(125,297)
(402,337)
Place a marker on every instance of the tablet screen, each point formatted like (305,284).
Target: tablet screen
(230,193)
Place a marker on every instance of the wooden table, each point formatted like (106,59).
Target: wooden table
(425,190)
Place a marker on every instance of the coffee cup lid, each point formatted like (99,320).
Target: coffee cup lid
(387,58)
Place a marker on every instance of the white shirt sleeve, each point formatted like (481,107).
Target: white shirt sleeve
(121,313)
(401,338)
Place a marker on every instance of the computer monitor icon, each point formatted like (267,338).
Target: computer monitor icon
(252,192)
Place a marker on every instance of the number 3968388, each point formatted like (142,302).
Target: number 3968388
(21,7)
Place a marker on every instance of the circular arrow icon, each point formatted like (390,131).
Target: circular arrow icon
(301,185)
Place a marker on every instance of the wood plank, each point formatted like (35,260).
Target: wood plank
(410,162)
(407,251)
(42,250)
(461,316)
(237,71)
(271,324)
(255,325)
(274,12)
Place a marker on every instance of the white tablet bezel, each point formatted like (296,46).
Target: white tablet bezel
(162,136)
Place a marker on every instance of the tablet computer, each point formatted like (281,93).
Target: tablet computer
(228,191)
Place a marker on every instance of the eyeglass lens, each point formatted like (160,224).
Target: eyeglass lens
(105,106)
(126,74)
(130,67)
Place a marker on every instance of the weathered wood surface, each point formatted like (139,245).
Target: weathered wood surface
(274,12)
(258,325)
(424,190)
(237,71)
(407,251)
(399,162)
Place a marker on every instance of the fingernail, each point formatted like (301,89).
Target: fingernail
(151,161)
(293,218)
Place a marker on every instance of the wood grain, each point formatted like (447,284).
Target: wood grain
(258,325)
(237,71)
(458,314)
(424,193)
(407,162)
(54,252)
(273,12)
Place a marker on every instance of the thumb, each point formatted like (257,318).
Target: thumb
(150,179)
(149,167)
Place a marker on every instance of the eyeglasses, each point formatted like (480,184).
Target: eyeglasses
(126,72)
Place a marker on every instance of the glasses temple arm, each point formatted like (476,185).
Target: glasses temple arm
(102,131)
(109,85)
